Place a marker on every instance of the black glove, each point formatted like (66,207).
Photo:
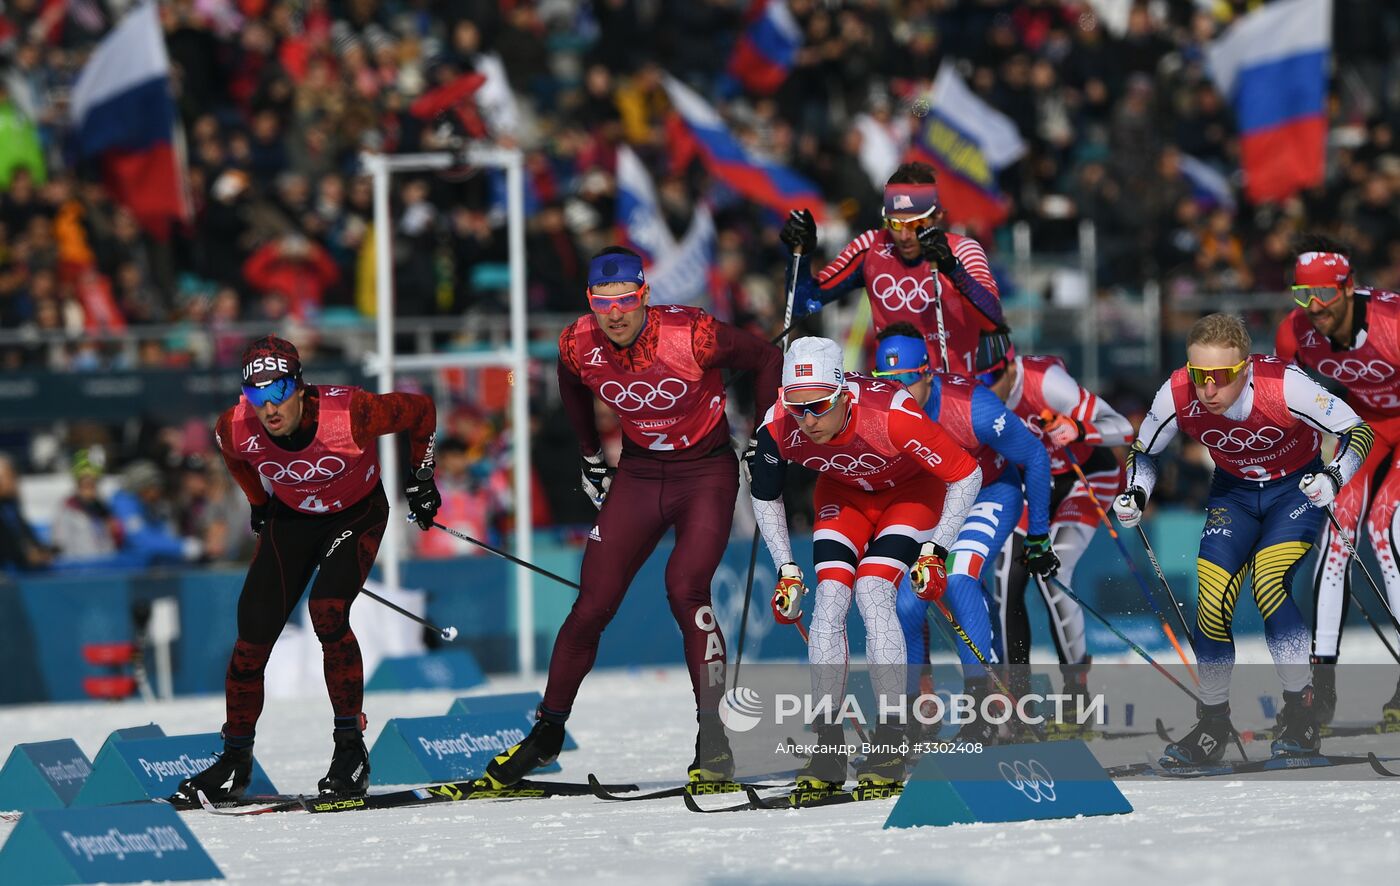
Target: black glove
(597,478)
(746,460)
(799,232)
(934,244)
(424,501)
(1039,557)
(258,518)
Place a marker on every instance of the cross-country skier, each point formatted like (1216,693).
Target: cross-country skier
(981,424)
(659,369)
(1351,336)
(912,269)
(893,490)
(307,458)
(1069,420)
(1262,421)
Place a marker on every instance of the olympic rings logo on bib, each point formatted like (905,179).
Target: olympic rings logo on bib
(1030,778)
(302,471)
(1237,440)
(903,293)
(639,395)
(865,463)
(1350,370)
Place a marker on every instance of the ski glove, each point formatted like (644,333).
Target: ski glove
(1061,429)
(257,520)
(799,233)
(803,307)
(746,460)
(424,501)
(1321,488)
(1039,557)
(933,242)
(1128,507)
(787,597)
(929,575)
(597,478)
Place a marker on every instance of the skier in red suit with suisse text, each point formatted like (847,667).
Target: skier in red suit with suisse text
(306,456)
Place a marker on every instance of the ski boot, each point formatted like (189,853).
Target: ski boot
(826,768)
(1206,743)
(977,729)
(1324,681)
(540,748)
(1076,678)
(1296,733)
(348,775)
(884,764)
(714,761)
(1390,711)
(225,779)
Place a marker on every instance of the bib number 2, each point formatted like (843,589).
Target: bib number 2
(662,442)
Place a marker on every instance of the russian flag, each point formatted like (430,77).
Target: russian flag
(968,142)
(678,272)
(769,184)
(124,116)
(1272,66)
(765,52)
(1208,186)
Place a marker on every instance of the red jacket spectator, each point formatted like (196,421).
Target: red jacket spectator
(296,267)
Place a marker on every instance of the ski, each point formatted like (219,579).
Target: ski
(1337,730)
(1272,764)
(1379,768)
(440,793)
(693,789)
(810,799)
(182,805)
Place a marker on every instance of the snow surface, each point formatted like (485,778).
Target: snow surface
(638,726)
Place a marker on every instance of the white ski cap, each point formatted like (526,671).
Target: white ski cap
(813,362)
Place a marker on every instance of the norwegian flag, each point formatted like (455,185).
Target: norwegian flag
(802,370)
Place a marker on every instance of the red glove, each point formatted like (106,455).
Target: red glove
(787,597)
(1063,430)
(929,576)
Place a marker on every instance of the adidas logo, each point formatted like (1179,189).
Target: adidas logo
(593,534)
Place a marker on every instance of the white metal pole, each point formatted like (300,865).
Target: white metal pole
(384,328)
(520,412)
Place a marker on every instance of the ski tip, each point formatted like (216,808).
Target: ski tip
(204,801)
(1378,766)
(593,781)
(690,803)
(1162,732)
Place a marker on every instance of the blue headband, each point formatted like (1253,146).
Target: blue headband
(901,353)
(615,268)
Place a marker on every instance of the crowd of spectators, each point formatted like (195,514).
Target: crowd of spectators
(277,98)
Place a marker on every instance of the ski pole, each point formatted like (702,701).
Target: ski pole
(753,548)
(1122,636)
(448,633)
(503,555)
(1162,577)
(1132,567)
(982,659)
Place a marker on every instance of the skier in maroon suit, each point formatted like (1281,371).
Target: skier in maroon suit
(658,368)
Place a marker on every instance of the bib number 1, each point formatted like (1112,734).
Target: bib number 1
(662,443)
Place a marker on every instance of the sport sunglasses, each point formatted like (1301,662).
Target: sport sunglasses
(275,392)
(1220,375)
(626,302)
(1303,296)
(913,224)
(905,377)
(815,408)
